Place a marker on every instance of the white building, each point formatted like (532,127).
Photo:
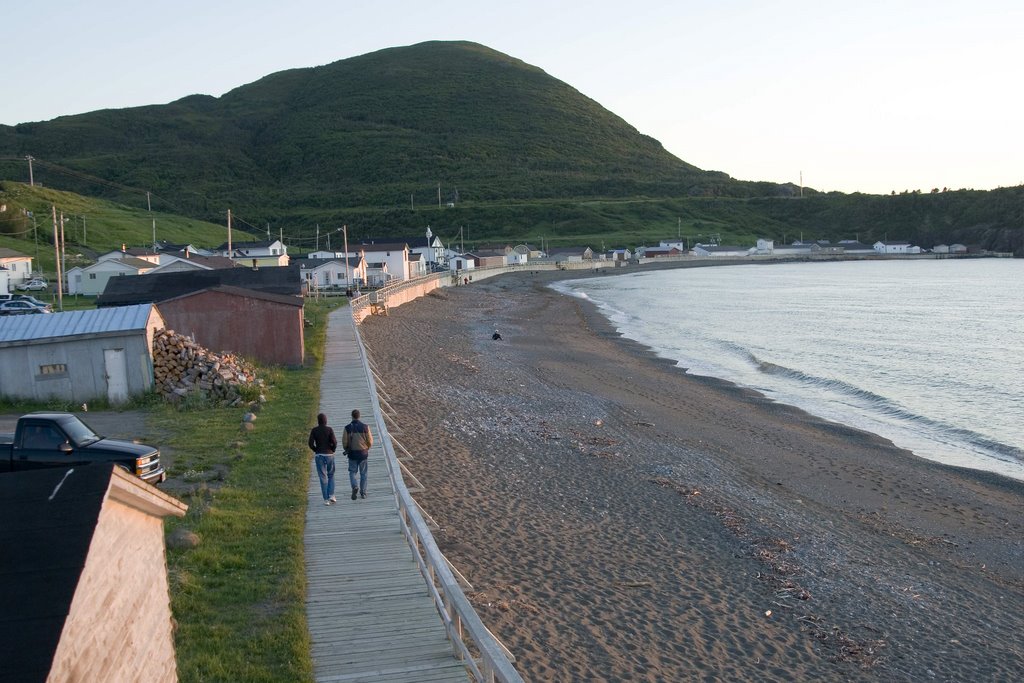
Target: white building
(17,265)
(92,280)
(896,247)
(256,254)
(337,273)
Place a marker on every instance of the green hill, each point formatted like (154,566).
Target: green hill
(454,135)
(91,226)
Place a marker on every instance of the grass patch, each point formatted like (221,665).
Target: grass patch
(239,596)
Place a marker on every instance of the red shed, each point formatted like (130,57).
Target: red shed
(258,325)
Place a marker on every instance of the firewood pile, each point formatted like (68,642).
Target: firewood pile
(182,367)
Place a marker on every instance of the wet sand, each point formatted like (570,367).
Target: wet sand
(622,520)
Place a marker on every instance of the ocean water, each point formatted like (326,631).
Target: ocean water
(929,353)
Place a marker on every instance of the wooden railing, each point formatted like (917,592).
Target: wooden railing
(484,657)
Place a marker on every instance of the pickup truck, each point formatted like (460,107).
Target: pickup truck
(62,440)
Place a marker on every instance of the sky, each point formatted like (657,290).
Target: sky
(850,96)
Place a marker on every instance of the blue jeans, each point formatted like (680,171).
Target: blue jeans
(325,470)
(360,466)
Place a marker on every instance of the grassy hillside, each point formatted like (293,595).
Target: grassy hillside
(385,141)
(91,226)
(380,130)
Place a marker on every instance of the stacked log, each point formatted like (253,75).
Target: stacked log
(182,367)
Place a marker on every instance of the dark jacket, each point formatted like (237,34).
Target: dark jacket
(322,440)
(357,440)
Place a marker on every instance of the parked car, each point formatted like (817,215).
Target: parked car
(31,299)
(34,285)
(22,308)
(63,440)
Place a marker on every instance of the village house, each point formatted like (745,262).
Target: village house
(896,247)
(394,254)
(321,273)
(18,267)
(620,255)
(721,251)
(185,261)
(83,579)
(571,254)
(261,254)
(855,248)
(461,262)
(794,249)
(660,252)
(134,252)
(79,356)
(91,280)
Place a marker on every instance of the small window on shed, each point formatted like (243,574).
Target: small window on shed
(53,369)
(92,276)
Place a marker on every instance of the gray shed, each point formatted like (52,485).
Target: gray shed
(79,355)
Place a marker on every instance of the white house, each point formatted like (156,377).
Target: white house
(17,265)
(332,272)
(135,252)
(5,281)
(764,246)
(394,254)
(462,262)
(677,243)
(93,279)
(957,249)
(170,263)
(940,249)
(721,251)
(896,247)
(256,254)
(620,254)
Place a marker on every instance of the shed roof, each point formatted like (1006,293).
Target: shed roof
(39,580)
(157,287)
(21,328)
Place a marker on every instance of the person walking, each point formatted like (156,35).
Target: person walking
(356,440)
(323,444)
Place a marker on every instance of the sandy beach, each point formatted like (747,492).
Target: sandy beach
(621,520)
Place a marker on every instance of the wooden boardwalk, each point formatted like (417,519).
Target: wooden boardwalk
(371,616)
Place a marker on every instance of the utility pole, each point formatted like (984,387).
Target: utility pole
(63,246)
(439,195)
(348,278)
(56,258)
(317,237)
(230,251)
(149,207)
(85,241)
(35,234)
(412,200)
(31,180)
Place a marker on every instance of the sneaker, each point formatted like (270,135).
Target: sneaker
(333,500)
(362,494)
(327,502)
(355,492)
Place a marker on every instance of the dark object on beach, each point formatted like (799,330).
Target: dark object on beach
(496,336)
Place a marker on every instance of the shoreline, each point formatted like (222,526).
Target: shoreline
(988,463)
(622,519)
